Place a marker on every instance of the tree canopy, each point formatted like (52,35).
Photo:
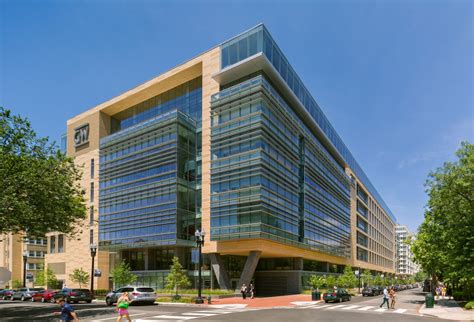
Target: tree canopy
(122,275)
(79,276)
(444,244)
(39,190)
(177,277)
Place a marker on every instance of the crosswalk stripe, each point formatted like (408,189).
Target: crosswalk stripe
(175,317)
(199,314)
(381,310)
(216,311)
(365,308)
(400,311)
(335,307)
(350,307)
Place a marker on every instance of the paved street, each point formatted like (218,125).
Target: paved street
(359,309)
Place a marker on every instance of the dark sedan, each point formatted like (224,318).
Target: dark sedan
(338,295)
(74,295)
(370,291)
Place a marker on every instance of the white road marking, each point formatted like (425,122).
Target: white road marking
(335,307)
(381,310)
(175,317)
(400,311)
(115,318)
(350,307)
(366,308)
(216,311)
(198,314)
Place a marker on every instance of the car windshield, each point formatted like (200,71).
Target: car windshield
(145,289)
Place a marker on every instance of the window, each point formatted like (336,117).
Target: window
(61,244)
(91,237)
(91,216)
(52,244)
(91,199)
(92,168)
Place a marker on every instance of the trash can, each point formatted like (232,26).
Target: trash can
(315,295)
(429,301)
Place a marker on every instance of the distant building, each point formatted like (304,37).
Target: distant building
(405,264)
(12,249)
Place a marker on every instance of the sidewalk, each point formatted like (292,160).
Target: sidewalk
(448,309)
(274,301)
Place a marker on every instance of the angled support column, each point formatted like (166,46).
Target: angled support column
(249,269)
(220,271)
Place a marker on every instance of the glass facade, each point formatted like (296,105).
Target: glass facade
(270,176)
(259,40)
(149,180)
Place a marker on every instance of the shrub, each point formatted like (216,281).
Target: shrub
(469,305)
(101,292)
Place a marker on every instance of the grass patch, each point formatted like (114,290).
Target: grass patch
(183,299)
(204,292)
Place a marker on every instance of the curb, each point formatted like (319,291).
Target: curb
(181,304)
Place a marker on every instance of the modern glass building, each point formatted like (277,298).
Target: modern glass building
(231,142)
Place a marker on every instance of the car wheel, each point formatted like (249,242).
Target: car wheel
(32,299)
(22,298)
(89,301)
(109,301)
(11,298)
(52,300)
(42,300)
(325,301)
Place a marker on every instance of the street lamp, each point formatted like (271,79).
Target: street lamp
(25,259)
(358,275)
(199,242)
(93,248)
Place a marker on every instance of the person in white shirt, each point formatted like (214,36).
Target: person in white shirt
(385,298)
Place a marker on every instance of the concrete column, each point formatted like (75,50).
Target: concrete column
(220,271)
(298,263)
(249,269)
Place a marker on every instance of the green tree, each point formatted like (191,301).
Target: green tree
(17,284)
(79,276)
(122,275)
(444,243)
(420,276)
(331,281)
(348,278)
(177,277)
(377,280)
(367,278)
(40,185)
(317,281)
(47,278)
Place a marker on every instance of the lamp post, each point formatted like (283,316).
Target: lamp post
(93,248)
(358,275)
(199,242)
(25,259)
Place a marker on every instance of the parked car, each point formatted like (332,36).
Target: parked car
(5,294)
(44,296)
(25,293)
(338,295)
(136,294)
(370,291)
(74,295)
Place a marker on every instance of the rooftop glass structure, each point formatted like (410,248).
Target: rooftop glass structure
(259,41)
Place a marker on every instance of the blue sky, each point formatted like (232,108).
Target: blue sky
(395,78)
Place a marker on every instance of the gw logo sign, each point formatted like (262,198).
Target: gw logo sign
(81,135)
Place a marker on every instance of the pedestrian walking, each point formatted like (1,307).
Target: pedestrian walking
(385,298)
(122,307)
(438,291)
(67,313)
(251,290)
(443,291)
(243,290)
(393,298)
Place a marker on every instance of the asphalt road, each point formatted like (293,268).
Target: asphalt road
(358,309)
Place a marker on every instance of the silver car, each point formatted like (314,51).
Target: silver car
(25,293)
(136,294)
